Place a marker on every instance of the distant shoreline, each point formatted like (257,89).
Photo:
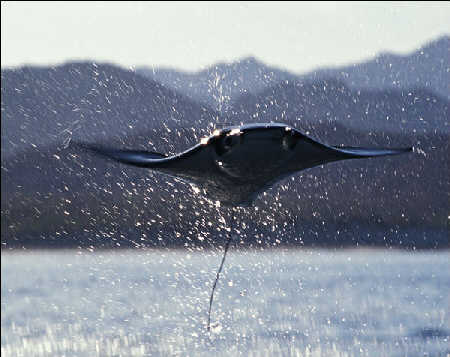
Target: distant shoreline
(282,248)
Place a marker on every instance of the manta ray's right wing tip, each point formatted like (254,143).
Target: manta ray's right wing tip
(372,152)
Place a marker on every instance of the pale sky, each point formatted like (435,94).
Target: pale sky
(297,36)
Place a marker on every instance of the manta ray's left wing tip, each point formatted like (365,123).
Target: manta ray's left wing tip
(130,157)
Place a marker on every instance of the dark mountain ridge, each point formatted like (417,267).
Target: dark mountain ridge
(76,199)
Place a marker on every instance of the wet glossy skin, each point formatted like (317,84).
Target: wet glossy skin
(235,164)
(253,154)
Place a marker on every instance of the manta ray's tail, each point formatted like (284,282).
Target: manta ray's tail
(130,157)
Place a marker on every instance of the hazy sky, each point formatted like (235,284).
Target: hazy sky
(297,36)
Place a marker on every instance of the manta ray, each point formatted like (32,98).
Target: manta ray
(235,164)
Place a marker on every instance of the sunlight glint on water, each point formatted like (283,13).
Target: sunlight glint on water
(268,303)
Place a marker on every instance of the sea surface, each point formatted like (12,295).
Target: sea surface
(275,302)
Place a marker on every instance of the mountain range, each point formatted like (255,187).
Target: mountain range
(220,85)
(86,101)
(56,195)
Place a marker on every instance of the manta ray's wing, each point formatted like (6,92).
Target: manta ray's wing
(130,157)
(354,152)
(192,165)
(140,158)
(308,153)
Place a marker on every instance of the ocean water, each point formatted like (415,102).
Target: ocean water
(268,303)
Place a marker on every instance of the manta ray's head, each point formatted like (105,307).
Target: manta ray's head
(253,151)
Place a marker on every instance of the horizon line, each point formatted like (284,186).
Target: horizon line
(249,57)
